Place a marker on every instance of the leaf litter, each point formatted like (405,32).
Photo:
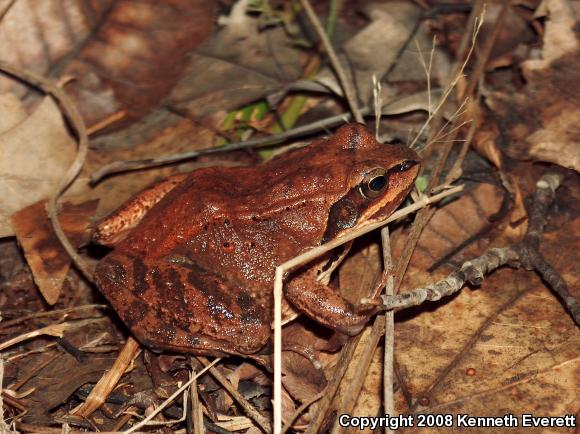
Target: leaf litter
(508,346)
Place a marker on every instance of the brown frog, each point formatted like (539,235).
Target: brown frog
(196,272)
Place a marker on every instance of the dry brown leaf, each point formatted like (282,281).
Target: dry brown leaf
(300,378)
(450,226)
(44,253)
(34,153)
(391,24)
(542,120)
(54,384)
(558,142)
(484,142)
(238,65)
(506,347)
(124,55)
(514,32)
(37,34)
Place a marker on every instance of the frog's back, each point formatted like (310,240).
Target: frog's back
(273,209)
(197,272)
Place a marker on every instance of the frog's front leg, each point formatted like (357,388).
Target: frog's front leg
(113,228)
(326,306)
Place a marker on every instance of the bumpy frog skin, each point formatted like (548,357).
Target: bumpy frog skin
(196,272)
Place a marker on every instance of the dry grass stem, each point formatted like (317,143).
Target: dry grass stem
(109,380)
(427,66)
(42,349)
(108,121)
(346,84)
(51,330)
(378,104)
(388,357)
(64,312)
(453,83)
(246,406)
(357,381)
(300,410)
(196,408)
(169,400)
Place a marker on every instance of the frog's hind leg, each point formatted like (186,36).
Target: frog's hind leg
(182,307)
(116,226)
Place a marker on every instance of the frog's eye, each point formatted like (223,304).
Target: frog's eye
(374,183)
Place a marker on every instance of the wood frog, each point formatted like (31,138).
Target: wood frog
(194,269)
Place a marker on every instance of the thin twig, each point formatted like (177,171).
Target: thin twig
(125,166)
(360,371)
(301,131)
(50,330)
(169,400)
(106,122)
(77,123)
(300,409)
(389,318)
(346,84)
(332,387)
(65,311)
(247,407)
(522,254)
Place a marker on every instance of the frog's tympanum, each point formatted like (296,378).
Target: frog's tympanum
(196,272)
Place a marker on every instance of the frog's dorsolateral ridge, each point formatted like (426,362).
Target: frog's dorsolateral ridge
(196,272)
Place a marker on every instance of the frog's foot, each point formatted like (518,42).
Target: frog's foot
(374,302)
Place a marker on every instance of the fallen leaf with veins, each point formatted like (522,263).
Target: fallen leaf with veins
(507,346)
(34,153)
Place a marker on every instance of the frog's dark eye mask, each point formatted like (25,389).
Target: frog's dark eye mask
(376,181)
(346,212)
